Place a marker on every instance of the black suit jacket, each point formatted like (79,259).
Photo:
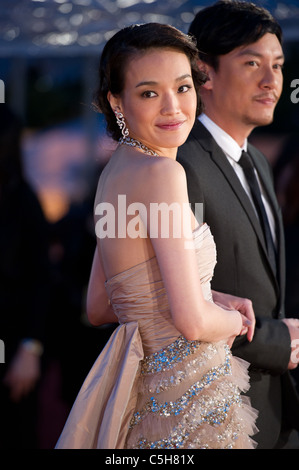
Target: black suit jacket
(243,269)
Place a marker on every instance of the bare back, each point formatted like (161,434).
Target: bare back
(121,209)
(118,188)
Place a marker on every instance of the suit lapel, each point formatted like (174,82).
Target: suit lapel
(271,196)
(217,155)
(265,180)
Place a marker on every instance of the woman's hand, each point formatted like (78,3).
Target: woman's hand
(293,326)
(244,306)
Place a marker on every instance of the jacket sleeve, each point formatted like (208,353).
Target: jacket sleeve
(270,349)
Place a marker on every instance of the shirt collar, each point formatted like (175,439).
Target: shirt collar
(230,147)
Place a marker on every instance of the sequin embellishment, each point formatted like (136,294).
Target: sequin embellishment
(176,407)
(169,356)
(211,411)
(168,359)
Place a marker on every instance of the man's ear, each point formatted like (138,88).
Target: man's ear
(206,69)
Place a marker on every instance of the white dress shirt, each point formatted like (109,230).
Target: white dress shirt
(233,153)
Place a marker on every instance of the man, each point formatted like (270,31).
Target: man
(241,53)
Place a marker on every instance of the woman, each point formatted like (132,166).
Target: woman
(166,378)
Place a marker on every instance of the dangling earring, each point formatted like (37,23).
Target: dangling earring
(121,123)
(126,139)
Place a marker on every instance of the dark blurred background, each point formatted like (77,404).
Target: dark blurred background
(49,51)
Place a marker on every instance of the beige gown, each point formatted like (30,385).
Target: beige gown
(150,387)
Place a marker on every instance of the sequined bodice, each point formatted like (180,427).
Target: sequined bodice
(138,294)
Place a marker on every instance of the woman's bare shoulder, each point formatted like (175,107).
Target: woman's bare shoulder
(158,179)
(163,170)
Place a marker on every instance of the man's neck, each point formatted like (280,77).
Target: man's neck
(238,133)
(228,144)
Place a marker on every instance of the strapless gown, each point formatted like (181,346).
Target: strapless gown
(150,387)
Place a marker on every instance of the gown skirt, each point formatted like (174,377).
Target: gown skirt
(150,388)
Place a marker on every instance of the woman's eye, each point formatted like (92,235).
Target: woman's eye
(148,94)
(184,88)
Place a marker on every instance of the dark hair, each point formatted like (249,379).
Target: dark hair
(227,24)
(123,46)
(10,145)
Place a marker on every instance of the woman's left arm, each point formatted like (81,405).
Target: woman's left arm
(98,307)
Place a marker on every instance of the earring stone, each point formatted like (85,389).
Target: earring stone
(121,123)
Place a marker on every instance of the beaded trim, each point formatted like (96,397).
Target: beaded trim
(135,143)
(207,410)
(169,356)
(191,368)
(176,407)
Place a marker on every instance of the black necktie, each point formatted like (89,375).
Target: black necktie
(246,163)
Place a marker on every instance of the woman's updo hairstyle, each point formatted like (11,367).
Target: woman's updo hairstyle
(122,47)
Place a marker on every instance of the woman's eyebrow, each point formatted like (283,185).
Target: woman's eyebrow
(152,82)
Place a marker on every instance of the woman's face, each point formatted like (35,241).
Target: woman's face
(158,100)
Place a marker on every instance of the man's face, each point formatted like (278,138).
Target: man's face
(243,92)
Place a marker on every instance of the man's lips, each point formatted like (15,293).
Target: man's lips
(266,99)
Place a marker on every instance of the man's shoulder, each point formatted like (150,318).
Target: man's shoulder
(197,143)
(252,149)
(199,149)
(258,156)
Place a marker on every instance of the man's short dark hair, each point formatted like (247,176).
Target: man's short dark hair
(228,24)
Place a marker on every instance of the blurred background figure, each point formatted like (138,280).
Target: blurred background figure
(44,271)
(24,275)
(286,176)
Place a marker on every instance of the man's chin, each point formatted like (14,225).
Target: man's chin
(260,121)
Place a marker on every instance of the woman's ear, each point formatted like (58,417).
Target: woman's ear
(114,102)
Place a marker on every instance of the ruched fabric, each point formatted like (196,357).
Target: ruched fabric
(150,387)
